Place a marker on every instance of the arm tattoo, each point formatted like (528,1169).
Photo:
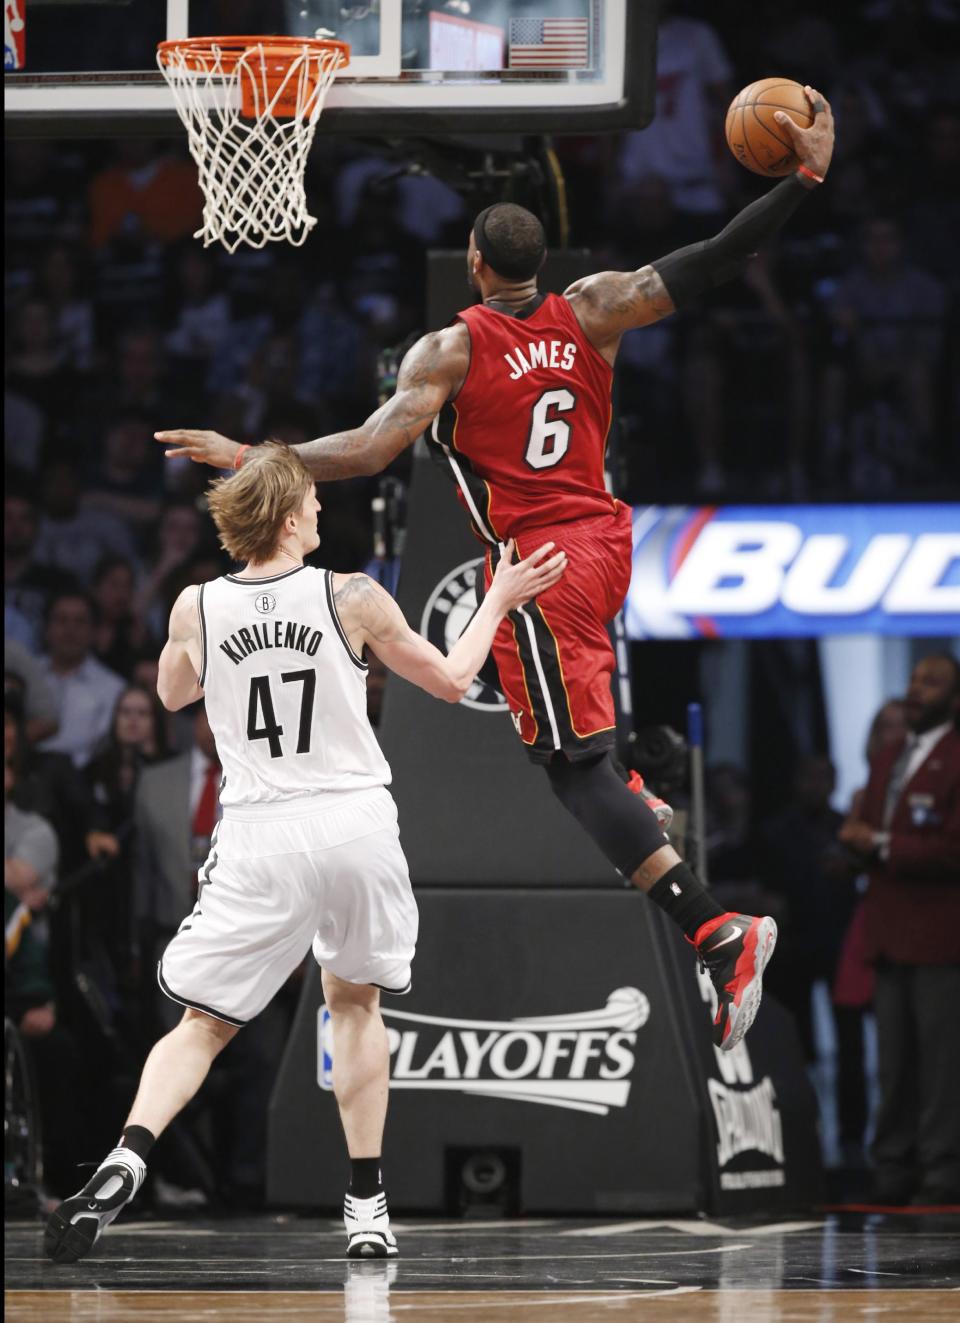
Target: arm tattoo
(422,387)
(632,298)
(363,606)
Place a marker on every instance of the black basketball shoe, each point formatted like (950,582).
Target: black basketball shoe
(734,949)
(75,1226)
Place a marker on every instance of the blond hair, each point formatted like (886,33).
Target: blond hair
(249,507)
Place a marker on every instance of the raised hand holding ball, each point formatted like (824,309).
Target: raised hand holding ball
(775,125)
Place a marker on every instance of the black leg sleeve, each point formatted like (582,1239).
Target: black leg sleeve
(619,821)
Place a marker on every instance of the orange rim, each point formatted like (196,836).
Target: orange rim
(279,52)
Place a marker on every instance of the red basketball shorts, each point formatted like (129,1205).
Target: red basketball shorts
(554,655)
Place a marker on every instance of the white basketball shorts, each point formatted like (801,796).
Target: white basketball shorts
(326,872)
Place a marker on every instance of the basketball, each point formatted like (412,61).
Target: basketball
(754,136)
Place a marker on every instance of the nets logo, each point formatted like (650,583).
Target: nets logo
(801,571)
(445,617)
(265,603)
(582,1062)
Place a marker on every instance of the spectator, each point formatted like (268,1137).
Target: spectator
(31,858)
(175,811)
(30,862)
(47,784)
(933,214)
(38,369)
(805,866)
(428,209)
(42,200)
(694,89)
(137,739)
(749,321)
(889,317)
(145,671)
(853,986)
(137,385)
(201,310)
(72,314)
(864,166)
(24,427)
(908,834)
(794,42)
(730,839)
(28,989)
(144,195)
(126,485)
(28,584)
(86,690)
(120,634)
(23,676)
(30,850)
(74,537)
(292,351)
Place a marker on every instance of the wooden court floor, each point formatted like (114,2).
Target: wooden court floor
(290,1269)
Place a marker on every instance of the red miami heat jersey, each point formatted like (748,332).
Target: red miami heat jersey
(525,436)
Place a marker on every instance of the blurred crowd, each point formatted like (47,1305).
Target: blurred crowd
(829,373)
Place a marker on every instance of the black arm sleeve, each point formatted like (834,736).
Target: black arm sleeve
(688,272)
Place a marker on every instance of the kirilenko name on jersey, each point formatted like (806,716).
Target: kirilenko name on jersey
(271,634)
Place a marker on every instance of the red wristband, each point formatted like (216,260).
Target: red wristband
(803,170)
(238,458)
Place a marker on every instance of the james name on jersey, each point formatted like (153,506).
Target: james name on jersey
(272,634)
(543,354)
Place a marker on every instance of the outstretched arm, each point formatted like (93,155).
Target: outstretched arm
(371,618)
(180,661)
(430,374)
(613,302)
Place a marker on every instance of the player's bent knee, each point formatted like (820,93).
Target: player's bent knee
(619,822)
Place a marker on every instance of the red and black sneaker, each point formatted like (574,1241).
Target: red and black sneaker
(734,949)
(660,807)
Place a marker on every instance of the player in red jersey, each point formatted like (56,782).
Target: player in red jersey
(516,395)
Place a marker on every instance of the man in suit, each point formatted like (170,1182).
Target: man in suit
(908,833)
(175,813)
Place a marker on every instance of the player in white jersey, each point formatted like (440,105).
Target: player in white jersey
(307,852)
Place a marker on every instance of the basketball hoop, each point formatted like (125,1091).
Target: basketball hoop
(250,106)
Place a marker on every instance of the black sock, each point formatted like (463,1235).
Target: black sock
(365,1177)
(679,894)
(138,1139)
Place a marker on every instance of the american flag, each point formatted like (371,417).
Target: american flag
(549,43)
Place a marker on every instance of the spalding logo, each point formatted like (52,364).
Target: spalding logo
(445,617)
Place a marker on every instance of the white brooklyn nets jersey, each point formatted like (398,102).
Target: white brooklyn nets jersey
(286,695)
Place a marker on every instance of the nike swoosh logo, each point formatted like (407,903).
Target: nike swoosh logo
(737,932)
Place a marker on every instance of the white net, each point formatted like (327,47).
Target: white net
(250,116)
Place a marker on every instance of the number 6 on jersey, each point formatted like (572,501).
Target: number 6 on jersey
(549,438)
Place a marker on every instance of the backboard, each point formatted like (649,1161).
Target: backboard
(422,67)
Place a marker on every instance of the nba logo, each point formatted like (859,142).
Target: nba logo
(13,34)
(324,1049)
